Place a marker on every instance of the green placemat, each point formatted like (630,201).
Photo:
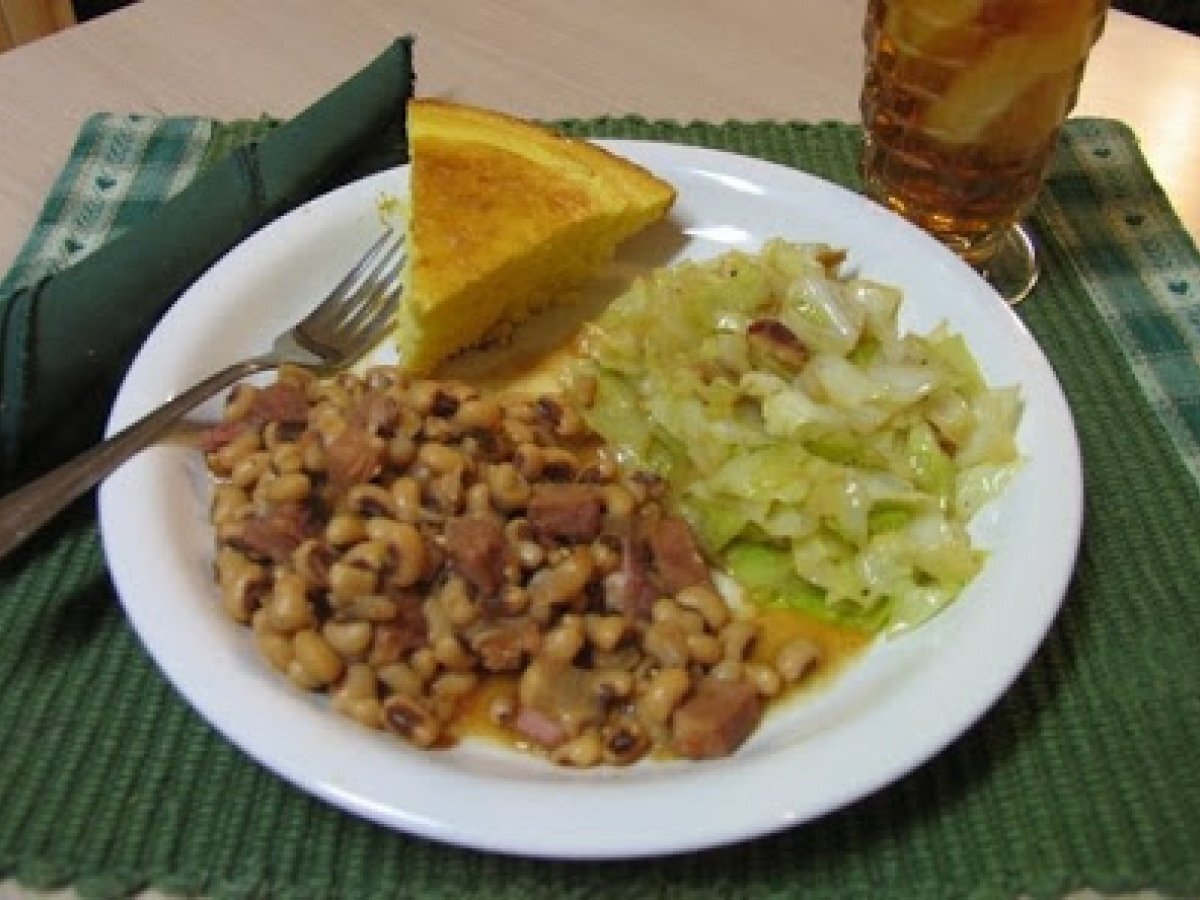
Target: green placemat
(1083,775)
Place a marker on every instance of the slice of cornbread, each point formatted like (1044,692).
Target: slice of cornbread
(505,217)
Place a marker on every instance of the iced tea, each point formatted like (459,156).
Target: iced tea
(962,106)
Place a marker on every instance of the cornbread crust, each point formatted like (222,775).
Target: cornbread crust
(505,217)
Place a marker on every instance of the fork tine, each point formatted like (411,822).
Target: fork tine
(383,282)
(375,318)
(374,304)
(324,315)
(357,312)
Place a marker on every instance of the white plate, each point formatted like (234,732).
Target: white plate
(901,703)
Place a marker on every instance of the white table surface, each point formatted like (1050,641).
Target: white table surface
(542,58)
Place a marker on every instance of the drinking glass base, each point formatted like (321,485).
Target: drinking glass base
(1013,269)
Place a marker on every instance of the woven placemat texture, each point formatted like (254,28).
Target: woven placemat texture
(1083,775)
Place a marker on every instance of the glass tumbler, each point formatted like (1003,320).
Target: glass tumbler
(962,106)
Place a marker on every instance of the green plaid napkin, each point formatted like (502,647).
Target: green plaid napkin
(1083,775)
(121,167)
(1138,266)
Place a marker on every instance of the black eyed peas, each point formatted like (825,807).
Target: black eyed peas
(319,662)
(430,556)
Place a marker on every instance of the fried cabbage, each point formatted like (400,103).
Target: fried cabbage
(825,460)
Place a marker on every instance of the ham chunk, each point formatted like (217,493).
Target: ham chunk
(280,402)
(566,512)
(716,719)
(353,456)
(677,560)
(778,340)
(276,533)
(540,728)
(224,432)
(476,549)
(629,590)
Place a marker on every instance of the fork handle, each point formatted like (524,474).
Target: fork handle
(26,510)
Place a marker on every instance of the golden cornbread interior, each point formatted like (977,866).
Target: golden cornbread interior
(506,217)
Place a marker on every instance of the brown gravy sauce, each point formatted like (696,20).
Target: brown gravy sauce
(839,646)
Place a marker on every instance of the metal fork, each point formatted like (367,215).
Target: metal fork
(347,323)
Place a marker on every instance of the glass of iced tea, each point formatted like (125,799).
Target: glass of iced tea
(962,106)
